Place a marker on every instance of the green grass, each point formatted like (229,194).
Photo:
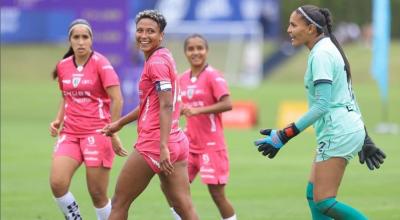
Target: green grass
(258,188)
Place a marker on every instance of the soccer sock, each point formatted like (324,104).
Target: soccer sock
(233,217)
(316,214)
(338,210)
(69,206)
(103,213)
(174,214)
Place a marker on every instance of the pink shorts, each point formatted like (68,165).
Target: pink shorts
(94,150)
(150,150)
(213,166)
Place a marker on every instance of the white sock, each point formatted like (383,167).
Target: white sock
(233,217)
(69,206)
(174,214)
(103,213)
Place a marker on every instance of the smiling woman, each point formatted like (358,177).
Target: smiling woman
(161,147)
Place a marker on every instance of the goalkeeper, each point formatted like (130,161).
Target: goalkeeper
(333,111)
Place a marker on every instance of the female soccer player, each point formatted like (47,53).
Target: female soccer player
(161,148)
(91,98)
(205,96)
(333,112)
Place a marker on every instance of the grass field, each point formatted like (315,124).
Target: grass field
(259,188)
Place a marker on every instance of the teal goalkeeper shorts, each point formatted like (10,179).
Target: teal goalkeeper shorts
(345,146)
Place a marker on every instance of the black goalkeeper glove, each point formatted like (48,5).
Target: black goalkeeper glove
(371,154)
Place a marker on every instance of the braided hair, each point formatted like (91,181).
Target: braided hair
(324,22)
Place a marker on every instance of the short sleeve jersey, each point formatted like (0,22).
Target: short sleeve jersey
(87,104)
(325,64)
(159,71)
(205,131)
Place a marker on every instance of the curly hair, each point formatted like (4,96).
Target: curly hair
(153,15)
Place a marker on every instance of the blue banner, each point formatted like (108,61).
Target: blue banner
(381,43)
(267,12)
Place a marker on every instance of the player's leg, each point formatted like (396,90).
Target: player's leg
(225,208)
(193,170)
(66,160)
(330,164)
(175,215)
(133,179)
(315,213)
(327,178)
(171,205)
(177,190)
(215,172)
(97,182)
(98,156)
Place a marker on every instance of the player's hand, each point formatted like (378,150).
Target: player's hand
(271,144)
(117,146)
(54,127)
(190,111)
(111,128)
(275,139)
(165,161)
(371,154)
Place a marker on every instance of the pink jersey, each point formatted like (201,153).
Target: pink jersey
(204,131)
(159,74)
(87,105)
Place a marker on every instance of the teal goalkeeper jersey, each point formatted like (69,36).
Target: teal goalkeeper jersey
(326,65)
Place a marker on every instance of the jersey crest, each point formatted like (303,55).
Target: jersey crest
(190,92)
(76,79)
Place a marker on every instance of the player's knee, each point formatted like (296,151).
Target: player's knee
(99,197)
(118,203)
(59,186)
(218,196)
(325,205)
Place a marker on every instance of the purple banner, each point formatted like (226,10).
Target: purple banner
(48,20)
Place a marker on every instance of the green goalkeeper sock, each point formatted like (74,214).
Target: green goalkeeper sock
(316,214)
(338,210)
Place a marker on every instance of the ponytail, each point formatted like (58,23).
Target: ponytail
(67,54)
(321,17)
(326,13)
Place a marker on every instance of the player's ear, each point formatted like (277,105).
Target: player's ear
(161,36)
(312,29)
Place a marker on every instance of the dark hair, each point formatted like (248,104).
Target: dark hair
(70,50)
(67,54)
(80,21)
(194,36)
(153,15)
(323,17)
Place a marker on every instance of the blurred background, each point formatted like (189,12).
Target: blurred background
(249,44)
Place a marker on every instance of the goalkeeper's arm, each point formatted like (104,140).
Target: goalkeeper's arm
(319,108)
